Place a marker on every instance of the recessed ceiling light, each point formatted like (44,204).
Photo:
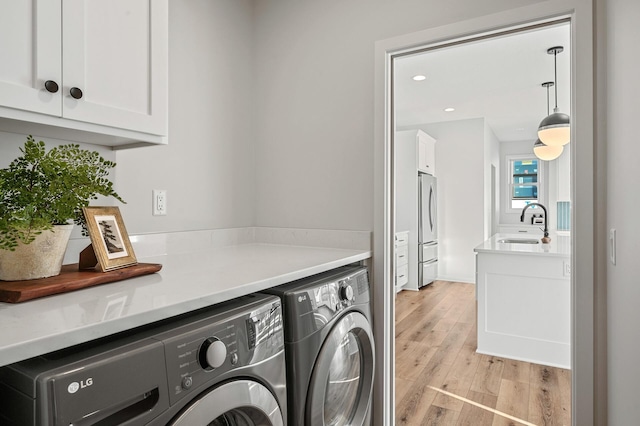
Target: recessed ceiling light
(449,109)
(419,77)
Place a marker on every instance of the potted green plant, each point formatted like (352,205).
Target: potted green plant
(41,196)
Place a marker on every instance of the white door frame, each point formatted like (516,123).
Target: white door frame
(587,400)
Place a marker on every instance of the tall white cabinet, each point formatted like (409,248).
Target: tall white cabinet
(414,151)
(85,66)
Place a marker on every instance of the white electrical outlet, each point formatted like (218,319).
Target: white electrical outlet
(567,269)
(159,202)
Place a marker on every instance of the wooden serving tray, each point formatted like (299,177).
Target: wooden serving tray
(70,279)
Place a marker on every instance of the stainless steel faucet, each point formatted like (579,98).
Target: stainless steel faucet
(546,238)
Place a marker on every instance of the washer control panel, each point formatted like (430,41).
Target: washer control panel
(212,353)
(213,347)
(313,302)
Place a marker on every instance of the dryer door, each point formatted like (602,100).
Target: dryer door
(237,403)
(342,379)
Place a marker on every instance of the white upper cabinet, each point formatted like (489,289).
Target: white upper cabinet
(90,67)
(426,153)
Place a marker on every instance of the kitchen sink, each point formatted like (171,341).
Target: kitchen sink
(518,241)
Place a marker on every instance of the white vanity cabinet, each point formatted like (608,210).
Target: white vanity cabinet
(87,67)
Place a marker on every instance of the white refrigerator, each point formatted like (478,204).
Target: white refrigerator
(427,229)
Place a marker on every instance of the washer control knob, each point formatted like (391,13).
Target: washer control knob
(187,382)
(346,293)
(213,352)
(234,358)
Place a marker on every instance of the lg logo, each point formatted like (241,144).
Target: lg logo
(75,386)
(302,298)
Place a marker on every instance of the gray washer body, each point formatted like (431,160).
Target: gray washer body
(312,309)
(152,375)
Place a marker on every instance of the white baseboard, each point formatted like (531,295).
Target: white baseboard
(460,279)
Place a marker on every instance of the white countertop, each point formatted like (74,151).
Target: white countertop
(560,245)
(188,280)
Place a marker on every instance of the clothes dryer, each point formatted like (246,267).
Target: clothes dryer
(329,348)
(222,365)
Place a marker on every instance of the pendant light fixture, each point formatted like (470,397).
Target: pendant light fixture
(555,129)
(542,151)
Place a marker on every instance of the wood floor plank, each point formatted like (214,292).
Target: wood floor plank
(422,324)
(422,316)
(412,357)
(513,399)
(448,350)
(545,407)
(488,375)
(472,415)
(408,301)
(459,379)
(402,387)
(413,407)
(472,337)
(470,314)
(564,380)
(516,371)
(438,416)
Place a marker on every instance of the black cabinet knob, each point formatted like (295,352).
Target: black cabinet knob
(51,86)
(75,93)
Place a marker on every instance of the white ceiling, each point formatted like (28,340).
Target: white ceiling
(498,79)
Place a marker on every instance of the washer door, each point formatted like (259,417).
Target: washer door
(237,403)
(342,379)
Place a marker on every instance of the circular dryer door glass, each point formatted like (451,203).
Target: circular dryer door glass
(343,382)
(246,417)
(236,403)
(342,379)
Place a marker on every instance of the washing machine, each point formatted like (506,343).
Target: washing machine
(223,365)
(329,348)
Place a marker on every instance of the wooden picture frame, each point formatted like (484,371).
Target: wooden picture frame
(109,238)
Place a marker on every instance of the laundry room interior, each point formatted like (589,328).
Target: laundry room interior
(247,253)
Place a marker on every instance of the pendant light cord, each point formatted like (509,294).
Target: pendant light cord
(555,79)
(548,99)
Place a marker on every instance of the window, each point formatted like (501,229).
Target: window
(524,181)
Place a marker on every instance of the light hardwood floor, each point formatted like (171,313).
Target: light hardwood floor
(441,380)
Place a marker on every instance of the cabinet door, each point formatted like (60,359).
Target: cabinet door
(426,153)
(115,52)
(30,50)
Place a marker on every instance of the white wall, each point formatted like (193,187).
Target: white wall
(315,102)
(461,210)
(623,200)
(208,166)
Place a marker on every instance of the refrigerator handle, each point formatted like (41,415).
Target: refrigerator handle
(420,206)
(431,207)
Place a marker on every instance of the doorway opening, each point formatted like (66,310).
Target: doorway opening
(476,79)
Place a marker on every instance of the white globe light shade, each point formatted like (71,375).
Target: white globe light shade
(555,130)
(547,152)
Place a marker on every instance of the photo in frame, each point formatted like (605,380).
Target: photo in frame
(109,238)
